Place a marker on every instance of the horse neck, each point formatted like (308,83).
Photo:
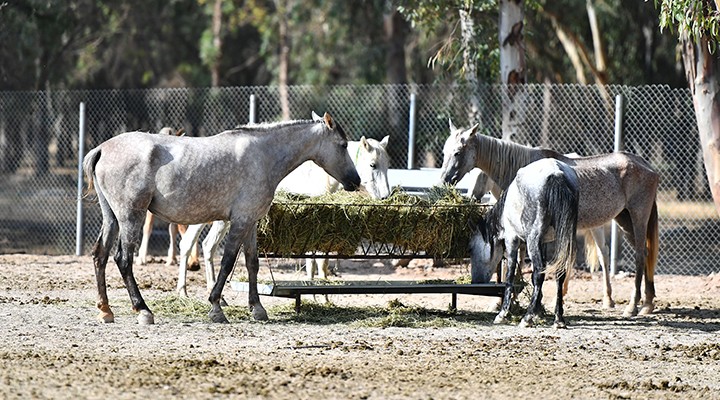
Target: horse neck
(501,159)
(288,147)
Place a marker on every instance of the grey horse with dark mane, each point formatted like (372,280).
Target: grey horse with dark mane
(619,186)
(230,176)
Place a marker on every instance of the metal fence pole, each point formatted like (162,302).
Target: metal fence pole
(618,146)
(253,109)
(411,134)
(81,154)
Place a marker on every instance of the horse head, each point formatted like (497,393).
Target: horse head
(333,156)
(372,163)
(485,253)
(459,153)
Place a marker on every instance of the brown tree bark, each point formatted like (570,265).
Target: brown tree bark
(513,70)
(217,43)
(283,59)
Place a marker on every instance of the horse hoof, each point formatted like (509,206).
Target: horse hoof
(499,320)
(145,317)
(218,316)
(259,313)
(608,304)
(525,323)
(559,325)
(106,317)
(647,309)
(630,311)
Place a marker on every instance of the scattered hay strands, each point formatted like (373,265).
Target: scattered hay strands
(401,225)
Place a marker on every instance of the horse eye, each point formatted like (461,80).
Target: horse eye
(373,166)
(457,154)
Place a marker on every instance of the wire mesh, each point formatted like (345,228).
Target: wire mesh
(39,145)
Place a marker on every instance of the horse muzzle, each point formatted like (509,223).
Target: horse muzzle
(351,182)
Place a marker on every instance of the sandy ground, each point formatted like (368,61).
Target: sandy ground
(51,346)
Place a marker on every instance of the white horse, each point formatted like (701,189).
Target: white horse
(371,162)
(231,177)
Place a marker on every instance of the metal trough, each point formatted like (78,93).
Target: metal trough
(294,289)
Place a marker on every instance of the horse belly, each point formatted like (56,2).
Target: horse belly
(597,211)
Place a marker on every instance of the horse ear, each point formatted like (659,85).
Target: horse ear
(365,144)
(452,127)
(180,132)
(384,142)
(473,130)
(329,121)
(316,117)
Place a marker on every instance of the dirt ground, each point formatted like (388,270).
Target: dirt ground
(51,346)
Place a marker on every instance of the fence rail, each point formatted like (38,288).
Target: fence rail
(39,145)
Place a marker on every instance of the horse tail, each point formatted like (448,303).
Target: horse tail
(91,158)
(562,201)
(652,243)
(591,250)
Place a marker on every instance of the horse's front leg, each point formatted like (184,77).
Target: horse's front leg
(603,255)
(187,243)
(252,263)
(511,257)
(171,255)
(147,231)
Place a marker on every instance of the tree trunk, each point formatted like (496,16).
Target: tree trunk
(396,29)
(283,59)
(702,70)
(467,29)
(217,43)
(512,66)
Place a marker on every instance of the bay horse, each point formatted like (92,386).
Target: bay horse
(619,186)
(173,229)
(230,176)
(371,162)
(540,205)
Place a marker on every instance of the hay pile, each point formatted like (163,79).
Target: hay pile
(341,222)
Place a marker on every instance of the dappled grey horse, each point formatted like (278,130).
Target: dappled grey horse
(231,176)
(371,162)
(541,205)
(619,186)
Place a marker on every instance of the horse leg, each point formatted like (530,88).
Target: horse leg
(171,256)
(217,232)
(511,256)
(100,253)
(636,225)
(559,319)
(253,266)
(193,263)
(187,243)
(240,232)
(602,252)
(538,276)
(310,265)
(147,231)
(129,226)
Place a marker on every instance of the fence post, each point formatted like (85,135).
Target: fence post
(81,154)
(253,108)
(618,146)
(411,134)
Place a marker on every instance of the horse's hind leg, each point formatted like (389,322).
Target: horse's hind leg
(538,277)
(559,318)
(172,253)
(193,262)
(100,253)
(129,227)
(511,257)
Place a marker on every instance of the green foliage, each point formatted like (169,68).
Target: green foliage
(694,18)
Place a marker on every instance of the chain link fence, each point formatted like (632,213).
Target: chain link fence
(39,145)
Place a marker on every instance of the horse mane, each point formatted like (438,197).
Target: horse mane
(505,158)
(266,127)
